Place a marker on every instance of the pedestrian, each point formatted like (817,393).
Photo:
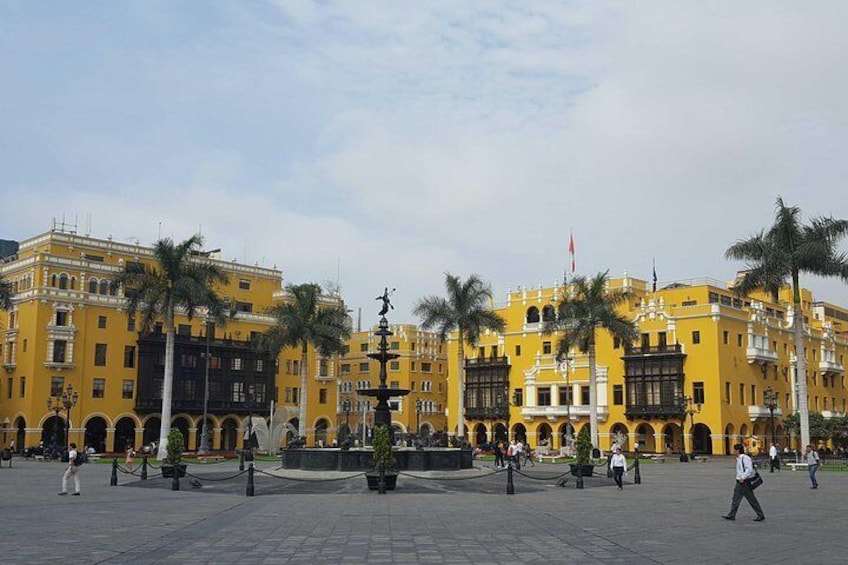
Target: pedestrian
(744,471)
(774,460)
(510,454)
(499,454)
(619,467)
(71,471)
(813,462)
(519,449)
(130,460)
(528,455)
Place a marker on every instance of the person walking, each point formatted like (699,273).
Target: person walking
(744,471)
(71,471)
(774,461)
(528,455)
(499,454)
(813,461)
(619,467)
(130,460)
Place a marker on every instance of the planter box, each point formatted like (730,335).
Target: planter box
(168,470)
(586,470)
(374,480)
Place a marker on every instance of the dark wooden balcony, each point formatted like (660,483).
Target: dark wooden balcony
(486,361)
(654,411)
(668,349)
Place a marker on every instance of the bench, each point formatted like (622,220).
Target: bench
(547,454)
(658,458)
(794,466)
(702,459)
(210,459)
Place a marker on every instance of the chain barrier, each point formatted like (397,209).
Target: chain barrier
(543,478)
(209,479)
(261,472)
(496,472)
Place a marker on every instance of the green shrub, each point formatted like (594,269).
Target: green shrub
(174,447)
(383,448)
(584,446)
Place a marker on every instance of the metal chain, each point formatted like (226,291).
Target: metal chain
(261,472)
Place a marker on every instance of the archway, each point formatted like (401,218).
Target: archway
(544,434)
(702,439)
(229,434)
(426,430)
(501,433)
(480,434)
(645,439)
(151,430)
(321,432)
(532,315)
(729,439)
(181,424)
(619,435)
(673,436)
(20,436)
(124,434)
(53,432)
(95,434)
(519,433)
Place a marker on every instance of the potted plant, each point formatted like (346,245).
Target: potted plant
(584,451)
(384,460)
(174,449)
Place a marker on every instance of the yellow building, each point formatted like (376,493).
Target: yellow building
(704,354)
(421,369)
(68,328)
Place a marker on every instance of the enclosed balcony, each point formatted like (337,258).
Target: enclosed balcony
(759,351)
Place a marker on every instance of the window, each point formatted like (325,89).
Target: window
(363,367)
(237,391)
(395,345)
(345,368)
(481,352)
(322,396)
(646,341)
(188,360)
(741,393)
(260,365)
(618,395)
(189,389)
(23,387)
(412,386)
(427,367)
(345,349)
(238,364)
(566,396)
(99,354)
(244,307)
(725,336)
(57,384)
(244,284)
(101,322)
(127,389)
(546,347)
(698,393)
(323,368)
(363,347)
(184,329)
(130,323)
(9,387)
(584,395)
(696,337)
(394,384)
(61,318)
(394,366)
(739,340)
(616,343)
(518,397)
(543,397)
(518,351)
(98,388)
(412,366)
(662,340)
(59,348)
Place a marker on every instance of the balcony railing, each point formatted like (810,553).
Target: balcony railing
(196,406)
(662,411)
(486,361)
(831,368)
(487,413)
(761,355)
(759,412)
(556,412)
(671,348)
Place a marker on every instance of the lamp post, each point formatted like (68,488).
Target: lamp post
(55,404)
(418,405)
(6,423)
(770,398)
(690,409)
(346,409)
(250,391)
(204,432)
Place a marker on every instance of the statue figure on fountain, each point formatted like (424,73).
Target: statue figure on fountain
(386,302)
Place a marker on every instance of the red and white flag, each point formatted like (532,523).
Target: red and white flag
(571,252)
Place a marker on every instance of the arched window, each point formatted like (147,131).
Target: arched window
(73,283)
(63,281)
(532,315)
(113,289)
(548,314)
(104,286)
(53,280)
(92,286)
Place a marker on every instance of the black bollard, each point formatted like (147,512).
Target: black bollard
(250,480)
(510,486)
(637,476)
(241,461)
(381,482)
(144,468)
(175,483)
(579,476)
(114,480)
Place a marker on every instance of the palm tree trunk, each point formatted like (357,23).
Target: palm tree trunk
(800,362)
(593,395)
(460,422)
(302,397)
(167,386)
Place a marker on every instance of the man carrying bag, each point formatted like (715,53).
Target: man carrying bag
(746,476)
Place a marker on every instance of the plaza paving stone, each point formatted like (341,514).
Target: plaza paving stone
(674,516)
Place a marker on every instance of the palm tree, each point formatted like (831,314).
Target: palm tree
(5,294)
(587,305)
(302,320)
(465,311)
(780,254)
(177,280)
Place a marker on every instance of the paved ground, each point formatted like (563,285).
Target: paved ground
(674,516)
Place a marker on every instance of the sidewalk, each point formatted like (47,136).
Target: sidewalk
(674,516)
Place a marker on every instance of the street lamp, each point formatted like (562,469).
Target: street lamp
(346,409)
(204,432)
(770,398)
(250,391)
(67,400)
(55,404)
(6,423)
(418,405)
(690,409)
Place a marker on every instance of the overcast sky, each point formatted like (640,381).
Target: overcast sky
(385,143)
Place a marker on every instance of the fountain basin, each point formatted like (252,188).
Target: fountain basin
(359,459)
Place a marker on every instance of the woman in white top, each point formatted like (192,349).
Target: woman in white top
(619,466)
